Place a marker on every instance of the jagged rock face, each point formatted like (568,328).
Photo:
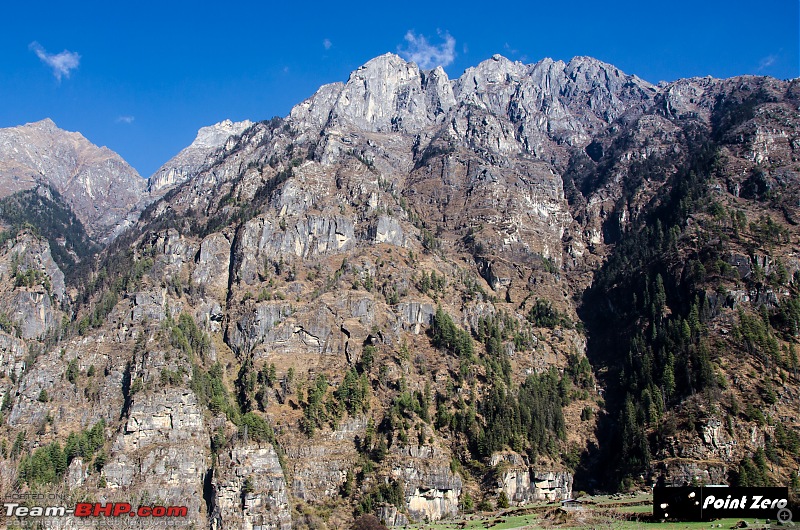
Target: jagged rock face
(391,516)
(318,484)
(524,484)
(101,188)
(518,210)
(388,230)
(173,416)
(311,236)
(388,94)
(256,330)
(550,99)
(303,246)
(413,315)
(688,97)
(12,357)
(31,298)
(191,159)
(249,491)
(314,113)
(35,312)
(432,489)
(551,486)
(497,137)
(536,105)
(213,264)
(161,450)
(33,253)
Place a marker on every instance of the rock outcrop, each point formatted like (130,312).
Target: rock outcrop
(249,491)
(432,489)
(34,291)
(523,484)
(162,451)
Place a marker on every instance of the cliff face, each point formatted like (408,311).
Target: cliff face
(415,294)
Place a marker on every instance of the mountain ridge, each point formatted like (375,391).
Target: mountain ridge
(80,171)
(408,299)
(190,159)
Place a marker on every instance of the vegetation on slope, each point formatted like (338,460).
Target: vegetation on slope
(46,213)
(655,310)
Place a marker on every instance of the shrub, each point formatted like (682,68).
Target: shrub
(367,522)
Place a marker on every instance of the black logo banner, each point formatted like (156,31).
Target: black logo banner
(690,503)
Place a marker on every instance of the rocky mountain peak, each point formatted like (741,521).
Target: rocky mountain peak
(314,113)
(215,135)
(388,94)
(542,105)
(550,269)
(439,96)
(101,188)
(552,100)
(588,73)
(387,61)
(497,69)
(190,160)
(383,95)
(45,125)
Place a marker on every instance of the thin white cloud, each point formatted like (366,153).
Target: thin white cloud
(766,62)
(126,119)
(62,63)
(327,44)
(428,55)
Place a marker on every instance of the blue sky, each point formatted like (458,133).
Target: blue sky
(142,77)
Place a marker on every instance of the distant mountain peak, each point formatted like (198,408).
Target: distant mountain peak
(385,59)
(98,185)
(45,123)
(214,136)
(190,160)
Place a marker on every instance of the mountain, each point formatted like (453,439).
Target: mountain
(80,197)
(97,184)
(413,297)
(190,160)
